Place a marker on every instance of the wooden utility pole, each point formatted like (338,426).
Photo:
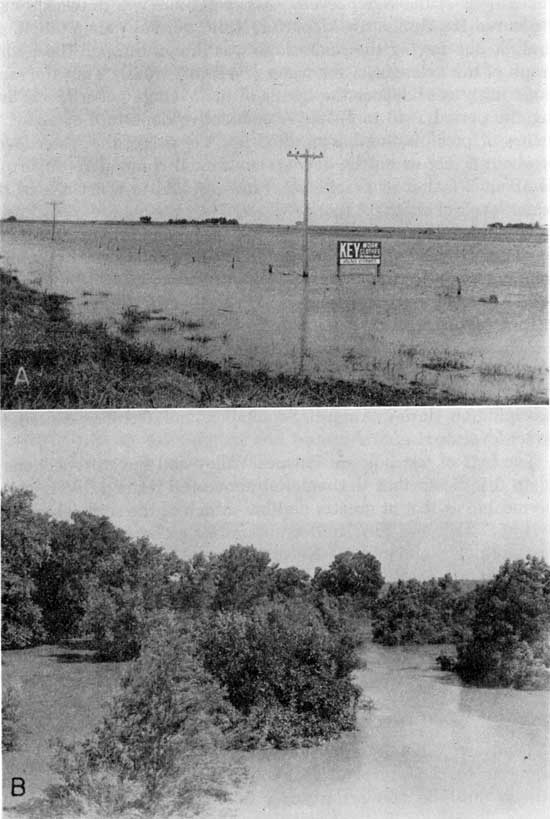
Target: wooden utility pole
(53,204)
(306,157)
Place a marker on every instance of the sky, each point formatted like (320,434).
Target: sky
(428,112)
(425,491)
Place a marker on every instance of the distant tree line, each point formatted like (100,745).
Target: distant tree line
(513,225)
(213,220)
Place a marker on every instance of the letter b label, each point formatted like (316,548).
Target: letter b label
(17,786)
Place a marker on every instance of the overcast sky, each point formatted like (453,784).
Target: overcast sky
(426,491)
(427,111)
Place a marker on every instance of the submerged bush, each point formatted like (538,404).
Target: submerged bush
(285,671)
(160,746)
(510,634)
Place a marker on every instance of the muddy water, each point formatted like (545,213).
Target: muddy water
(209,290)
(430,748)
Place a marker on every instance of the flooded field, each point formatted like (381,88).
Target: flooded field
(209,290)
(430,748)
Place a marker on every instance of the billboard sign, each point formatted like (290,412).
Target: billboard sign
(359,252)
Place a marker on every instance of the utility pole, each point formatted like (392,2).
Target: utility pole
(306,157)
(53,204)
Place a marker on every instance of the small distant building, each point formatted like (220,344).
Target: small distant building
(496,225)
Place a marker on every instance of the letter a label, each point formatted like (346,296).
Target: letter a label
(21,378)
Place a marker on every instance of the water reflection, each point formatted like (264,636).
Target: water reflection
(304,313)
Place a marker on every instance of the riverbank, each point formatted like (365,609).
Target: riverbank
(51,361)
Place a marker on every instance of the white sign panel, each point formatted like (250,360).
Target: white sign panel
(359,252)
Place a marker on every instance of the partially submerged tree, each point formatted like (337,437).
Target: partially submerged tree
(284,670)
(510,633)
(124,592)
(97,582)
(77,549)
(25,545)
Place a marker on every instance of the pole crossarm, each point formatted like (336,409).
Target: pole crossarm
(306,156)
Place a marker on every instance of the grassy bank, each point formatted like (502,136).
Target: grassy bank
(67,364)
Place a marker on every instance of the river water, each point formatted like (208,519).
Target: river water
(208,290)
(429,748)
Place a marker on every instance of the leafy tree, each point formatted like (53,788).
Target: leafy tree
(411,611)
(97,581)
(76,549)
(243,576)
(353,575)
(290,582)
(510,632)
(161,741)
(122,594)
(25,539)
(195,589)
(284,671)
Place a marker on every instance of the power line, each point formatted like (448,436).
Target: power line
(53,203)
(306,156)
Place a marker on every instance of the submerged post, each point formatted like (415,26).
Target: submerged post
(53,204)
(306,157)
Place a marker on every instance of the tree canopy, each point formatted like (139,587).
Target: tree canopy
(25,546)
(413,611)
(510,631)
(354,575)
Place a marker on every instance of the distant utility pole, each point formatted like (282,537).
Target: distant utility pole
(53,204)
(306,157)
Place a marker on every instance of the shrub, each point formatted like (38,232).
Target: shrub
(160,746)
(116,618)
(284,671)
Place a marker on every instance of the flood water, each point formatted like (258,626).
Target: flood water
(208,290)
(430,748)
